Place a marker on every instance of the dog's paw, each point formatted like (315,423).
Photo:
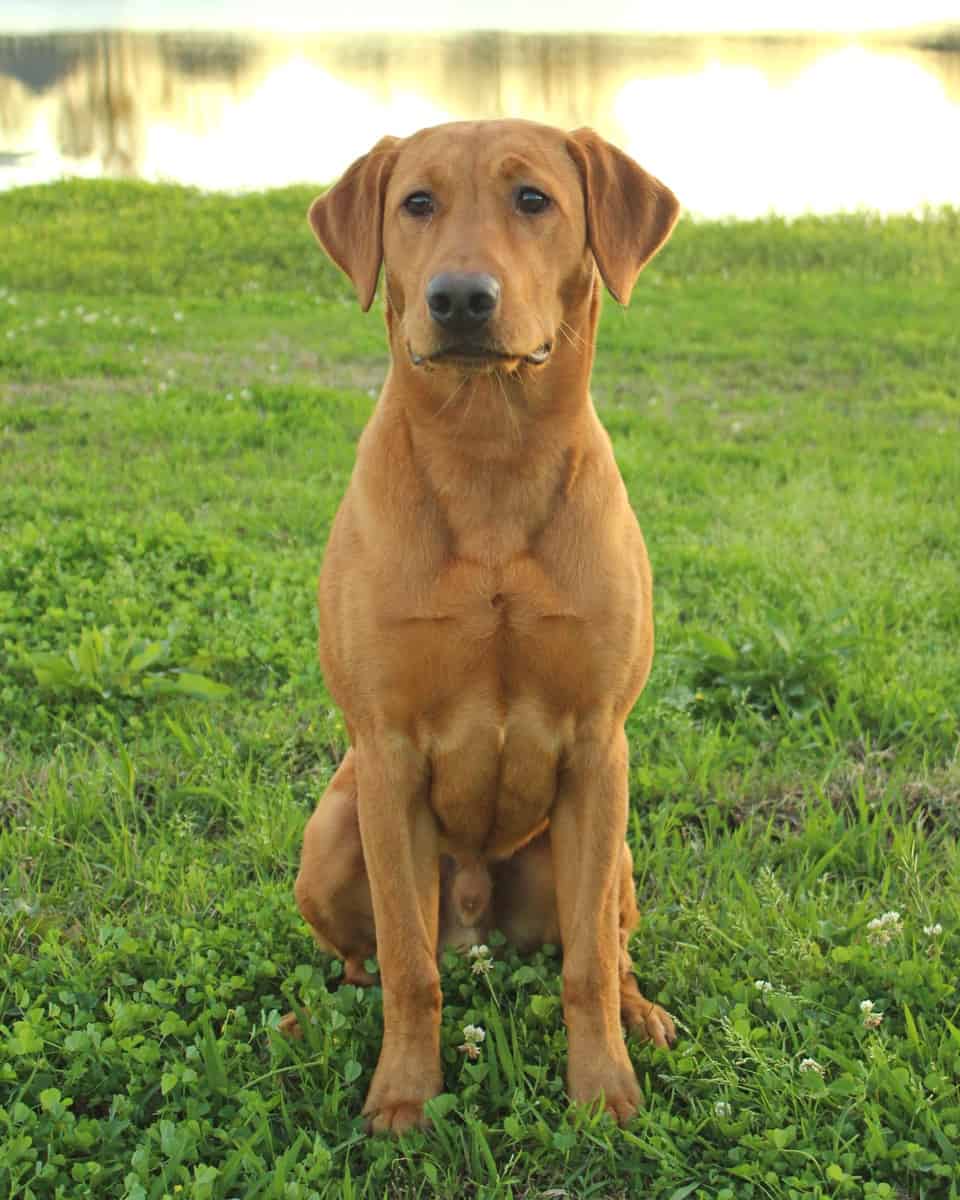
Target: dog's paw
(651,1023)
(356,973)
(611,1082)
(400,1088)
(396,1118)
(643,1018)
(289,1026)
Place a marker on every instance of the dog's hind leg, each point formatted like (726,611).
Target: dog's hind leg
(639,1015)
(332,889)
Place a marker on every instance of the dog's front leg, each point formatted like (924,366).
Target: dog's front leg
(400,847)
(587,829)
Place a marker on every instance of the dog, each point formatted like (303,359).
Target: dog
(485,602)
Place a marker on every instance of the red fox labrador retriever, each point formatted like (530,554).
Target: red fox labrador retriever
(485,599)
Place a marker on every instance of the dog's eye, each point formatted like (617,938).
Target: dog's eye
(531,200)
(419,204)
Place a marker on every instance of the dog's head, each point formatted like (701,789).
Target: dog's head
(490,232)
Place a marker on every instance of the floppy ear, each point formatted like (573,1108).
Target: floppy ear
(348,219)
(629,213)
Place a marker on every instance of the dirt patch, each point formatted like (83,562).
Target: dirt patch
(56,391)
(931,801)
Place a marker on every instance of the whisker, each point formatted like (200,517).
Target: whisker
(506,403)
(449,400)
(561,329)
(572,336)
(466,411)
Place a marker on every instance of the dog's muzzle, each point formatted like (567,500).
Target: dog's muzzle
(479,355)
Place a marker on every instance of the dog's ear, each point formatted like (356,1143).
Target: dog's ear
(348,219)
(629,213)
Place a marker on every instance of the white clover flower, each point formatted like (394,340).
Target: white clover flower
(482,959)
(811,1064)
(723,1109)
(933,931)
(473,1036)
(763,985)
(882,930)
(871,1019)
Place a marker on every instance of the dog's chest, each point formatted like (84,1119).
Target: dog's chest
(492,638)
(513,666)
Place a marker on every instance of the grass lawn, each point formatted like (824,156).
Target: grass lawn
(182,382)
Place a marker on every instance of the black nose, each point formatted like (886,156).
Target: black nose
(462,301)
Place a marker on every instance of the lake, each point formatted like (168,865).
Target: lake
(737,125)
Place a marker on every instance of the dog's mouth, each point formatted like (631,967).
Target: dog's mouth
(479,356)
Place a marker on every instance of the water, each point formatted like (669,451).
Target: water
(736,125)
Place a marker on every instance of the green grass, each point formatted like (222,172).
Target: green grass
(183,381)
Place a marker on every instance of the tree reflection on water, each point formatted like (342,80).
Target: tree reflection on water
(737,125)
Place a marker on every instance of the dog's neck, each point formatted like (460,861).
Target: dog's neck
(497,450)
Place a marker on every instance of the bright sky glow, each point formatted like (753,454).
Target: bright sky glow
(221,157)
(840,133)
(326,16)
(735,128)
(731,141)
